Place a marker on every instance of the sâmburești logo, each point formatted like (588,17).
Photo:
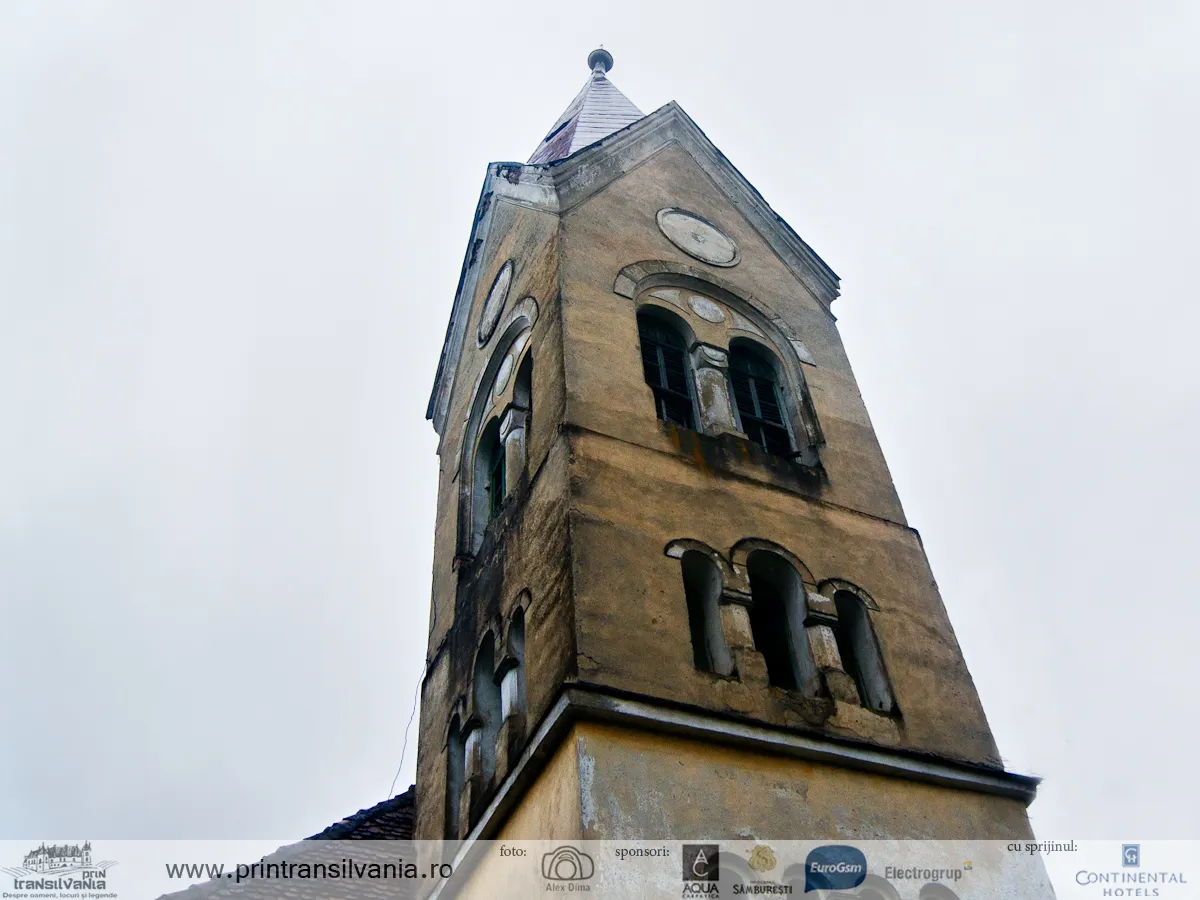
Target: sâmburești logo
(762,859)
(60,867)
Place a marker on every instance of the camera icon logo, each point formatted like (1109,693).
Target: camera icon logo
(567,864)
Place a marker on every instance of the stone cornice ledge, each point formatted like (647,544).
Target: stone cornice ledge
(650,716)
(575,704)
(586,704)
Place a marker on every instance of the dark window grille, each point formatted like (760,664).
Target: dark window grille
(759,403)
(664,363)
(496,477)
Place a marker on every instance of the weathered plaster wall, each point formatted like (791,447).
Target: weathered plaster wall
(608,486)
(637,785)
(550,809)
(530,239)
(639,484)
(524,557)
(605,388)
(632,613)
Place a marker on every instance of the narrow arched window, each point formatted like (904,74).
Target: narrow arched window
(455,755)
(496,480)
(758,399)
(859,650)
(777,615)
(519,418)
(523,385)
(664,364)
(512,676)
(489,479)
(702,584)
(487,714)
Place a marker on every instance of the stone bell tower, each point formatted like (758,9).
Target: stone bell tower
(675,594)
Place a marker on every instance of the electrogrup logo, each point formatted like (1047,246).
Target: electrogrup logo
(834,868)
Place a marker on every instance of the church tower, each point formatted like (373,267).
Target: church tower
(675,594)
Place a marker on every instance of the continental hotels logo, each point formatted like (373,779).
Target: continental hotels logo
(1131,880)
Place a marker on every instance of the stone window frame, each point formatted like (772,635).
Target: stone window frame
(487,494)
(883,702)
(455,772)
(815,612)
(474,767)
(709,359)
(670,318)
(783,395)
(484,404)
(704,613)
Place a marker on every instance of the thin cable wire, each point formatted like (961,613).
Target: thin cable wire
(404,747)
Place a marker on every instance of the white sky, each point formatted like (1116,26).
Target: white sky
(230,235)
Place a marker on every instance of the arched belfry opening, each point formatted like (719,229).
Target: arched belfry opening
(777,617)
(663,338)
(703,583)
(861,656)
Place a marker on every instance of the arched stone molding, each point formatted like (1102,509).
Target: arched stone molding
(526,310)
(831,586)
(676,548)
(513,341)
(801,415)
(651,273)
(673,314)
(743,548)
(458,711)
(520,605)
(651,282)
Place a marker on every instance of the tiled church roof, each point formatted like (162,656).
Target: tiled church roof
(391,820)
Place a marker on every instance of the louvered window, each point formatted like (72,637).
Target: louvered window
(496,478)
(664,362)
(759,403)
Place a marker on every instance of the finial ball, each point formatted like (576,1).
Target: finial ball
(601,58)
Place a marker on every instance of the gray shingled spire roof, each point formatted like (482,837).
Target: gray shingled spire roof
(597,111)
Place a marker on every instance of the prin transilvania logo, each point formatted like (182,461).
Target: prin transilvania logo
(60,867)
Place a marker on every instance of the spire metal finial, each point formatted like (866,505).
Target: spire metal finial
(600,61)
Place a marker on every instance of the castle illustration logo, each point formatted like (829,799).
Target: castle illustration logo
(56,860)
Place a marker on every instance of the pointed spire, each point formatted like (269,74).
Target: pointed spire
(595,113)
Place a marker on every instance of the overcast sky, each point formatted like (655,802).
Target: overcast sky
(230,235)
